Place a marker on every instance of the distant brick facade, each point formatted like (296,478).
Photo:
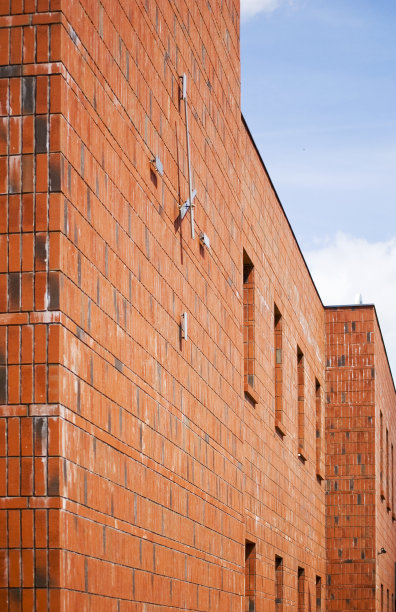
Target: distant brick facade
(237,468)
(360,430)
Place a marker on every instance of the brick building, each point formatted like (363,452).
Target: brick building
(183,425)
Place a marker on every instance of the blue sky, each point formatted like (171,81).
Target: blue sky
(319,96)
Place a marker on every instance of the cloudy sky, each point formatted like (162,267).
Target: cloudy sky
(319,96)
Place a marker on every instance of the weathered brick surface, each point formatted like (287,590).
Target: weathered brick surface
(358,524)
(283,500)
(384,504)
(135,464)
(152,426)
(29,321)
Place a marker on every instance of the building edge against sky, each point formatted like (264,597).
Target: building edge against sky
(183,424)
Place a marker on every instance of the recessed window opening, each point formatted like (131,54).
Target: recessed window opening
(319,425)
(278,365)
(250,576)
(301,589)
(248,322)
(318,594)
(301,402)
(278,584)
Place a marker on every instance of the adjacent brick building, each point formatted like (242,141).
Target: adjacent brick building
(182,426)
(360,431)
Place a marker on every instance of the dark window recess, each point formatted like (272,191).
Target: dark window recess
(319,430)
(301,589)
(382,493)
(392,483)
(278,370)
(387,469)
(318,594)
(301,403)
(249,326)
(278,584)
(250,577)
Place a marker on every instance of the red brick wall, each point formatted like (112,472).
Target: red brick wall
(152,428)
(283,499)
(350,471)
(359,387)
(30,72)
(385,506)
(134,466)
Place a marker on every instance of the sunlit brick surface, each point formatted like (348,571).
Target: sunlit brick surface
(139,467)
(358,510)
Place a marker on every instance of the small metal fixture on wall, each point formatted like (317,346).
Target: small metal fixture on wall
(189,203)
(158,166)
(204,240)
(184,326)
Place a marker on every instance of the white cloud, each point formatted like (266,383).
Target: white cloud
(249,8)
(345,266)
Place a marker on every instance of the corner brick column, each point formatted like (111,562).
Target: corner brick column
(350,459)
(29,303)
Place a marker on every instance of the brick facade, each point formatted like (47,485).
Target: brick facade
(145,468)
(360,430)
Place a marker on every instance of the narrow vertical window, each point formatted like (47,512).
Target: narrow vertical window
(250,576)
(278,584)
(318,594)
(382,456)
(387,600)
(319,425)
(392,485)
(301,589)
(278,361)
(382,598)
(388,505)
(248,327)
(301,403)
